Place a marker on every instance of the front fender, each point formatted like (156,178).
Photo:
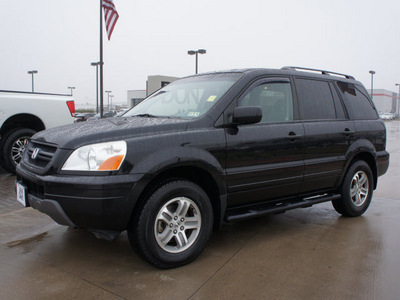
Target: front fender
(172,157)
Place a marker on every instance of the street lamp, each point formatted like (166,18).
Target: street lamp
(111,96)
(32,72)
(398,98)
(96,64)
(372,83)
(71,88)
(108,99)
(196,52)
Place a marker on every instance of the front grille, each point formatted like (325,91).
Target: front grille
(43,154)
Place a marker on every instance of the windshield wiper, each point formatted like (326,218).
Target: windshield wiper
(154,116)
(145,116)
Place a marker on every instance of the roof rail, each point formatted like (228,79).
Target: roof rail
(323,72)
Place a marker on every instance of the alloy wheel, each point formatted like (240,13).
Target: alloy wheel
(177,225)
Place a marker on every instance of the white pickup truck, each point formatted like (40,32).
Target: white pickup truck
(22,114)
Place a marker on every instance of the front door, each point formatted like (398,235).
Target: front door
(265,160)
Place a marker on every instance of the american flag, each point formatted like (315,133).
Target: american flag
(110,15)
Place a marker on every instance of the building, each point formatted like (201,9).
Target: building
(135,97)
(385,101)
(154,83)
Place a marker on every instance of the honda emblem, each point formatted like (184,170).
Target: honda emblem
(35,153)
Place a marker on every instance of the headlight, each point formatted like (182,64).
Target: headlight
(97,157)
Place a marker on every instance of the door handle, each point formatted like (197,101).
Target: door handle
(292,136)
(348,132)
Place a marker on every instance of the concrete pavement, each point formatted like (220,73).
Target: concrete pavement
(310,253)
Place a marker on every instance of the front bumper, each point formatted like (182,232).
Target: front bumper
(51,208)
(94,202)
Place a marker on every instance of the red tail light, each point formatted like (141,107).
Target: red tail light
(71,107)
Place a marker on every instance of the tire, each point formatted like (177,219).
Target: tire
(174,225)
(13,146)
(2,140)
(356,190)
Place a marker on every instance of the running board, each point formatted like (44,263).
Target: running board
(243,213)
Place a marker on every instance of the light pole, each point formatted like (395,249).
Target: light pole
(71,88)
(33,72)
(398,99)
(96,64)
(372,83)
(108,99)
(111,96)
(196,52)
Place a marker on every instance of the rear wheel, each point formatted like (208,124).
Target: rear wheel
(13,146)
(356,190)
(174,225)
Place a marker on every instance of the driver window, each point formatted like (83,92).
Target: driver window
(275,100)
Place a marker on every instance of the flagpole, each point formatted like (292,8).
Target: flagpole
(101,59)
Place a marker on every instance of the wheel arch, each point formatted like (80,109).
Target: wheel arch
(22,121)
(370,159)
(201,176)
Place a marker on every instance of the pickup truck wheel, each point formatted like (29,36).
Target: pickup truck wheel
(14,146)
(356,190)
(174,225)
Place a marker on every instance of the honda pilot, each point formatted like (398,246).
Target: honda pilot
(208,149)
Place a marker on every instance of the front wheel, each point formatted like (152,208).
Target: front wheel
(174,225)
(356,190)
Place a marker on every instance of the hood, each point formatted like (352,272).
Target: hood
(110,129)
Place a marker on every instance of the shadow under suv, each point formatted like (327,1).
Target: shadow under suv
(209,148)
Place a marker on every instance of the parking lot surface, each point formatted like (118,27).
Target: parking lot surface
(310,253)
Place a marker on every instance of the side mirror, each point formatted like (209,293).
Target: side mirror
(247,115)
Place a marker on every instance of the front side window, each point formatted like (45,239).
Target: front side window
(186,98)
(275,100)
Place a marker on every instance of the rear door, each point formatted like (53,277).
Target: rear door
(328,133)
(265,160)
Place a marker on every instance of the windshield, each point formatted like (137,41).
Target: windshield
(186,98)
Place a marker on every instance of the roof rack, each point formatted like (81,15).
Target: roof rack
(323,72)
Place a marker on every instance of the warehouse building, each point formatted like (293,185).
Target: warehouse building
(386,102)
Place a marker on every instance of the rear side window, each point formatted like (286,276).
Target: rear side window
(358,104)
(315,100)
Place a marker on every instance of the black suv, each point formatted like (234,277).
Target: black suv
(210,148)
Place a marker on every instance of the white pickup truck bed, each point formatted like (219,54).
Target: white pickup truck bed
(23,114)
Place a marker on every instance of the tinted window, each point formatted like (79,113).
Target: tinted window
(338,103)
(357,102)
(275,100)
(315,100)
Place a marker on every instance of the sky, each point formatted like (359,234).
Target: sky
(61,38)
